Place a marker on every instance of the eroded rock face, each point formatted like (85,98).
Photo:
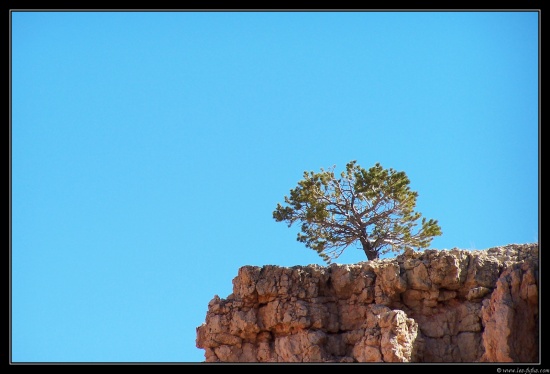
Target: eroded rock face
(432,306)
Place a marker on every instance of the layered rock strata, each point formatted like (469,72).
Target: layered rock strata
(431,306)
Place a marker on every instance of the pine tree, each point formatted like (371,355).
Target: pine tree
(374,207)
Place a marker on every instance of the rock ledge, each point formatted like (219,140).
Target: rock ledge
(431,306)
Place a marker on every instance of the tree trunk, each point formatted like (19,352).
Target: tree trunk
(371,253)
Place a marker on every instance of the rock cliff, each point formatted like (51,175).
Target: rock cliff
(431,306)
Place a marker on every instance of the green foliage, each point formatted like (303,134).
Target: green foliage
(374,207)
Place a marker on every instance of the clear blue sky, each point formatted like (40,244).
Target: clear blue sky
(149,150)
